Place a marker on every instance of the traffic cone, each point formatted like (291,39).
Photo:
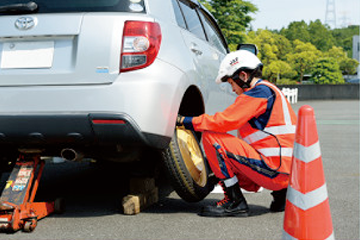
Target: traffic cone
(307,212)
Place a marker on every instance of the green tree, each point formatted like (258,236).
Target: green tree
(233,18)
(266,44)
(303,57)
(327,71)
(348,66)
(273,49)
(277,70)
(335,52)
(284,46)
(320,36)
(344,37)
(316,33)
(272,46)
(291,52)
(297,30)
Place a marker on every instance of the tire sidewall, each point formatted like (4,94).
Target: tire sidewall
(180,177)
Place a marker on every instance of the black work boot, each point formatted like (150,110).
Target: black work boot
(226,197)
(234,204)
(278,205)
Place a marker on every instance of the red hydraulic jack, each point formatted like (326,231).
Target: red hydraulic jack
(17,207)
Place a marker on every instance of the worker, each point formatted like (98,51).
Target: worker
(261,154)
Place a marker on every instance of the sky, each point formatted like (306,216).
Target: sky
(276,14)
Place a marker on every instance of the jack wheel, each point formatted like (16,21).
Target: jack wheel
(30,225)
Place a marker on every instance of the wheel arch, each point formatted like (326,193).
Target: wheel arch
(192,104)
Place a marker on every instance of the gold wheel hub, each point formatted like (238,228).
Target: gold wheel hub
(191,154)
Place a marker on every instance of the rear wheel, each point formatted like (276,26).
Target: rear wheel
(187,168)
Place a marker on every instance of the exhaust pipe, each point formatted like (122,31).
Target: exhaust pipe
(71,155)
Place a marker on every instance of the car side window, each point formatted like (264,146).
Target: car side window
(178,15)
(213,33)
(192,20)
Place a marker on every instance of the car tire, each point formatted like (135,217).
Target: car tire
(186,166)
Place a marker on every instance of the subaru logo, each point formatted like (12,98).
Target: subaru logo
(25,23)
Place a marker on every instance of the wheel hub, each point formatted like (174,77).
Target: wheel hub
(192,155)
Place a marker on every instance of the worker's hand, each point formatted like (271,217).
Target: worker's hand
(180,120)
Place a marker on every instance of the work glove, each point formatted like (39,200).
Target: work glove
(179,120)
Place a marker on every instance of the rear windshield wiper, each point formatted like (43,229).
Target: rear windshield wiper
(19,8)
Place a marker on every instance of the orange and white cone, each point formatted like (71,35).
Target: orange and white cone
(307,211)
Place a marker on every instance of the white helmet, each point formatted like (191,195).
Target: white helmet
(241,59)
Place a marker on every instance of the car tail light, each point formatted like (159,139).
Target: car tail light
(141,44)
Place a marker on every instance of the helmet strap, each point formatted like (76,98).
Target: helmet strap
(241,83)
(246,84)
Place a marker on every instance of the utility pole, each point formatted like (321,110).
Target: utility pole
(330,15)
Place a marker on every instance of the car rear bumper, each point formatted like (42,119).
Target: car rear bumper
(149,96)
(91,129)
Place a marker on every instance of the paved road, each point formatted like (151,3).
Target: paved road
(93,196)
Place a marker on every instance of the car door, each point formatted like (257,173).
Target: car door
(195,39)
(217,49)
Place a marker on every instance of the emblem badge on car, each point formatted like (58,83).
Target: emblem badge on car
(25,23)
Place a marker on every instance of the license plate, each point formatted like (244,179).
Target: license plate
(27,55)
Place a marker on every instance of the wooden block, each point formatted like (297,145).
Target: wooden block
(152,197)
(141,185)
(133,204)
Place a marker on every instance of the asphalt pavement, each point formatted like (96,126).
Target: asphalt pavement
(93,196)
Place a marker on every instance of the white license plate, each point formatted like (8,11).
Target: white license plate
(27,55)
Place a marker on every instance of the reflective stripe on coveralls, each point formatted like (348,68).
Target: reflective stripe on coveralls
(255,164)
(237,158)
(279,157)
(264,120)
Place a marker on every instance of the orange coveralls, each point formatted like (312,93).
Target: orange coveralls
(261,154)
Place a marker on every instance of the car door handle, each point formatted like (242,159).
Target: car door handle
(194,48)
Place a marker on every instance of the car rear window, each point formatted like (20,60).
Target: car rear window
(55,6)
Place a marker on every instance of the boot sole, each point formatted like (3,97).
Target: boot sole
(226,214)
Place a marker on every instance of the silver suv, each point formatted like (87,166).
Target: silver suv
(106,80)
